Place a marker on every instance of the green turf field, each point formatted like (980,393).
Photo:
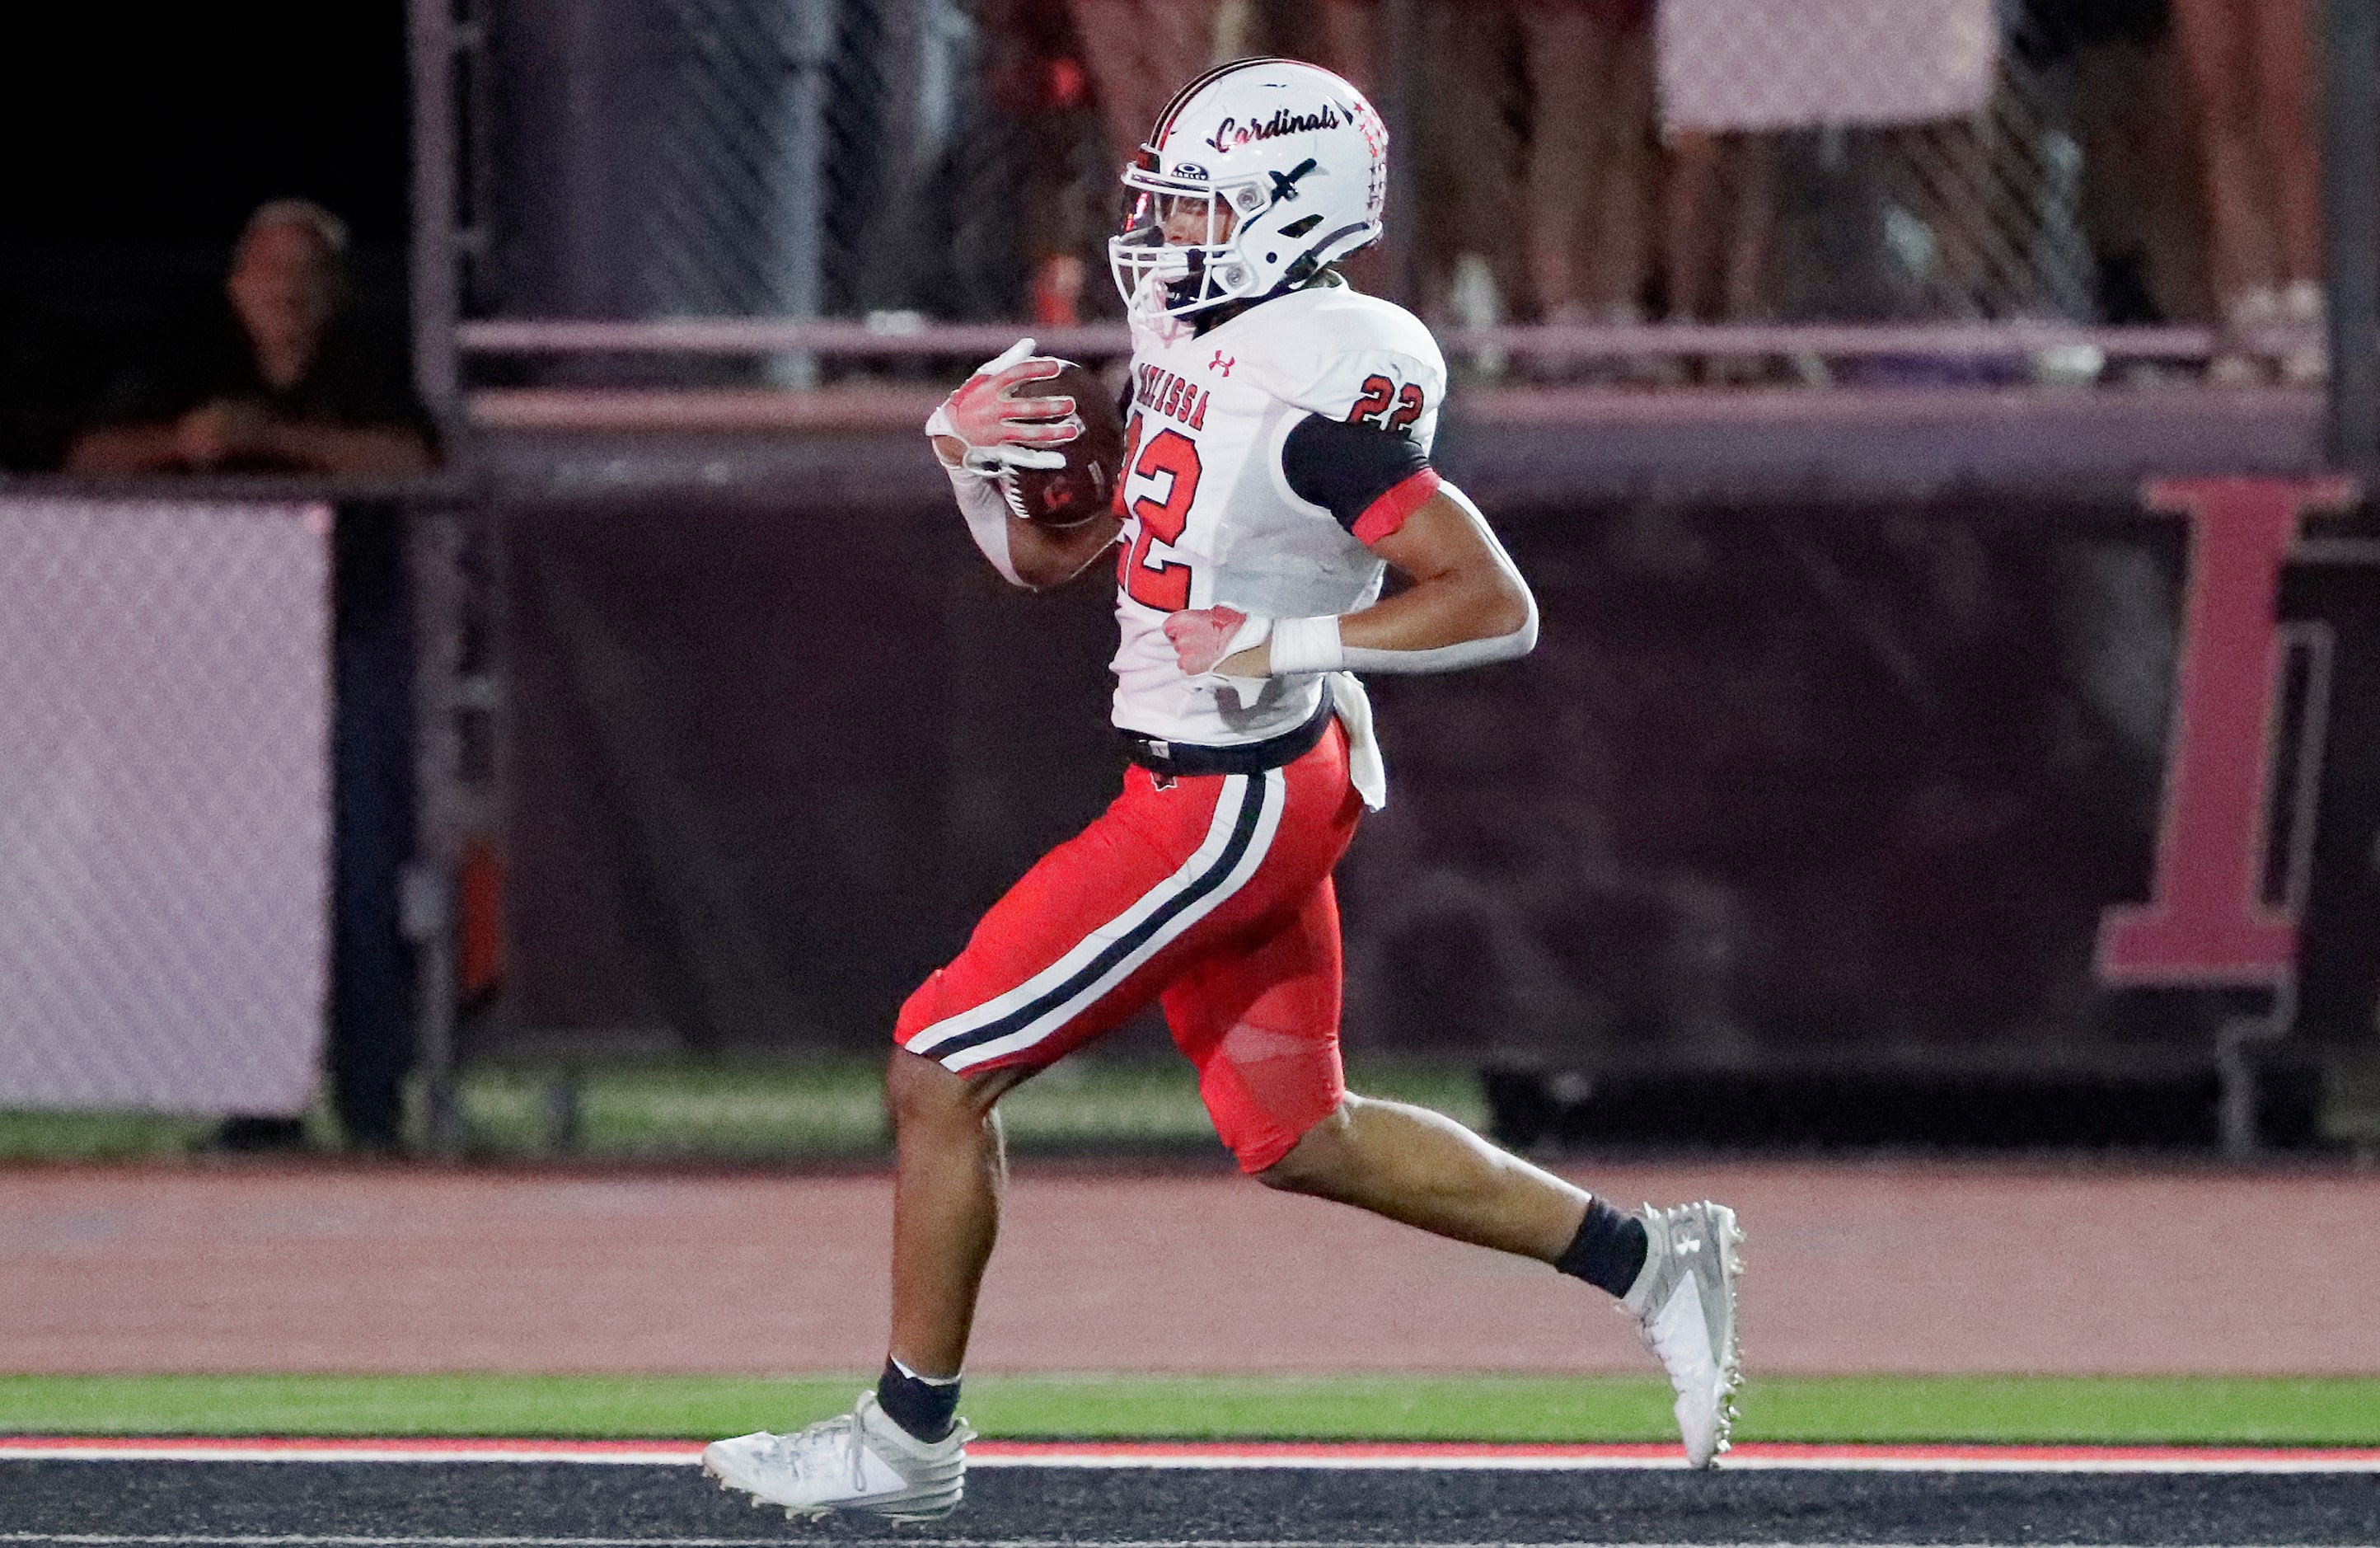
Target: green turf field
(761,1110)
(2181,1410)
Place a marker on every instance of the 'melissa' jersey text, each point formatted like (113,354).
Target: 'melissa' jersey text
(1209,517)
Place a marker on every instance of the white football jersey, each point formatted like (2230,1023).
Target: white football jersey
(1209,518)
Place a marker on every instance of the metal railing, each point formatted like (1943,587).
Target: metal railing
(1553,341)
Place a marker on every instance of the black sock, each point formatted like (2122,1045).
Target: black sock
(1609,1250)
(925,1408)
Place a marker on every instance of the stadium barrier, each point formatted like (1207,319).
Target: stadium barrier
(164,804)
(1791,790)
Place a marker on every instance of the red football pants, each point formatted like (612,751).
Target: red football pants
(1212,894)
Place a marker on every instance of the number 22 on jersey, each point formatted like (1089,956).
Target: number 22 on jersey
(1170,458)
(1382,396)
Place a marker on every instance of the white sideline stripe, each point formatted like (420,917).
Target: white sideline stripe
(298,1540)
(199,1451)
(1875,1460)
(1734,1464)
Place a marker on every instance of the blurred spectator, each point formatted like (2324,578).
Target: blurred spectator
(1718,217)
(1736,75)
(2142,207)
(2251,73)
(1589,164)
(1046,144)
(281,382)
(1536,159)
(1141,52)
(1346,37)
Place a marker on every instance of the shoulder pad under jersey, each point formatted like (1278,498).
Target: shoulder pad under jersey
(1342,355)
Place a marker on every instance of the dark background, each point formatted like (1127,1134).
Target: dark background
(1783,787)
(138,136)
(1798,827)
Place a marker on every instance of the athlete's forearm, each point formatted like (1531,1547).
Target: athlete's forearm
(987,517)
(1466,606)
(1025,555)
(1052,556)
(1441,612)
(1421,630)
(339,449)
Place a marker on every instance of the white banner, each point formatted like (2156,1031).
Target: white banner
(1735,65)
(164,804)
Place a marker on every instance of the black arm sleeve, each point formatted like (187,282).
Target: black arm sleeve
(1344,468)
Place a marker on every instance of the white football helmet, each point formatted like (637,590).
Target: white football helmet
(1276,167)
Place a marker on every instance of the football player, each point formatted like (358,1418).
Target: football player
(1275,467)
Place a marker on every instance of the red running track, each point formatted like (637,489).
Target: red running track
(1850,1268)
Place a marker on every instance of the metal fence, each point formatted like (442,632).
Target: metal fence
(1599,166)
(164,807)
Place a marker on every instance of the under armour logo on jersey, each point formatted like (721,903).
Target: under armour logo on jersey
(1222,362)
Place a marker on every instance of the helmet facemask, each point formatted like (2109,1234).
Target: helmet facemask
(1155,273)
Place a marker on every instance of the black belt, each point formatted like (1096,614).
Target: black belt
(1190,760)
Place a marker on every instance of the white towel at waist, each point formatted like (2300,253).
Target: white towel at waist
(1366,771)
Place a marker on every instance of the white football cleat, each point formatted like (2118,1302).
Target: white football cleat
(861,1460)
(1683,1302)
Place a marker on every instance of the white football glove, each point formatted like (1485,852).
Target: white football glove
(1001,430)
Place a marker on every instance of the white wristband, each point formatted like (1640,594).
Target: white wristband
(1301,645)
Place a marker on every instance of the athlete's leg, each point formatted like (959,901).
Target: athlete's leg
(1091,933)
(1421,1167)
(1260,1018)
(946,1187)
(1261,1021)
(1081,941)
(902,1450)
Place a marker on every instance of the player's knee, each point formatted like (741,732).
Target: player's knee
(1318,1162)
(921,1095)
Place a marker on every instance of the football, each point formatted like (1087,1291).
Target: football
(1071,495)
